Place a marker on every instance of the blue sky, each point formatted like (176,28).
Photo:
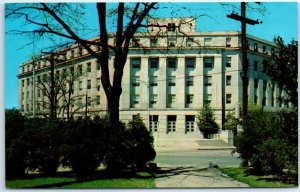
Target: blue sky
(279,19)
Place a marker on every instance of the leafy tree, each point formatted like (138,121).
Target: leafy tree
(231,122)
(206,122)
(283,68)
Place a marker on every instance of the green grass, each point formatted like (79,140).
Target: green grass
(140,180)
(253,181)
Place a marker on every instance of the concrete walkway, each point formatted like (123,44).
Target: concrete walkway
(192,177)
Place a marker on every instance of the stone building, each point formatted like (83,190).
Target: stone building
(171,71)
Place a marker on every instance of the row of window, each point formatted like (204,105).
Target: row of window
(171,123)
(172,62)
(189,99)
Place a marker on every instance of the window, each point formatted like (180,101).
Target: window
(72,70)
(172,100)
(189,42)
(28,82)
(98,65)
(89,84)
(72,54)
(207,41)
(135,42)
(38,64)
(136,81)
(88,67)
(89,101)
(189,123)
(208,62)
(172,41)
(190,81)
(153,123)
(171,27)
(264,49)
(172,81)
(255,66)
(207,99)
(98,100)
(171,123)
(272,51)
(228,42)
(153,100)
(135,100)
(80,51)
(153,63)
(22,97)
(23,83)
(228,98)
(23,69)
(98,84)
(153,42)
(255,47)
(136,63)
(228,61)
(190,63)
(38,93)
(228,80)
(207,80)
(189,99)
(79,103)
(172,62)
(80,69)
(80,85)
(153,81)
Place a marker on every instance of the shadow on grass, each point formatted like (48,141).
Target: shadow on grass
(96,175)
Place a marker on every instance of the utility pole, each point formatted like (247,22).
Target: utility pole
(242,18)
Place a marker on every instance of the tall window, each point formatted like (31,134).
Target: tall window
(207,80)
(153,42)
(135,100)
(228,61)
(88,67)
(228,80)
(228,42)
(153,81)
(172,63)
(136,81)
(190,63)
(136,63)
(79,103)
(189,81)
(172,81)
(255,66)
(72,54)
(98,65)
(89,101)
(255,47)
(89,84)
(153,100)
(189,123)
(228,98)
(172,41)
(153,63)
(98,99)
(207,99)
(171,27)
(171,123)
(98,84)
(171,100)
(80,69)
(153,123)
(208,62)
(189,100)
(80,85)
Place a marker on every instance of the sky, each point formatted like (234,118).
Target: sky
(279,19)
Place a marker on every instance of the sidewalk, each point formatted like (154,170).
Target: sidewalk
(192,177)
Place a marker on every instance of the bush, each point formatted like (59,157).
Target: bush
(269,142)
(231,123)
(14,152)
(84,145)
(206,122)
(42,139)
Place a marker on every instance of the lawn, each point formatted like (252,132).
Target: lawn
(254,181)
(139,180)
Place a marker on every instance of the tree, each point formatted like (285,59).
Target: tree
(231,122)
(57,19)
(206,122)
(283,68)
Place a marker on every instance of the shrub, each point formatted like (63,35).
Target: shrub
(84,146)
(231,123)
(206,122)
(14,151)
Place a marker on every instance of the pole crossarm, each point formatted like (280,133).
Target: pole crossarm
(243,19)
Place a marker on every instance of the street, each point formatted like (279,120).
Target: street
(197,158)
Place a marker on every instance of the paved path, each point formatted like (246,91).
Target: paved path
(193,177)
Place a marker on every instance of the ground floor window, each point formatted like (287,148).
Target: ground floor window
(189,123)
(153,123)
(171,123)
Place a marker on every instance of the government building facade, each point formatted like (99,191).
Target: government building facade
(171,72)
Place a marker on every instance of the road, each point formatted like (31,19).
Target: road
(197,158)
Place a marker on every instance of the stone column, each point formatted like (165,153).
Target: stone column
(162,82)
